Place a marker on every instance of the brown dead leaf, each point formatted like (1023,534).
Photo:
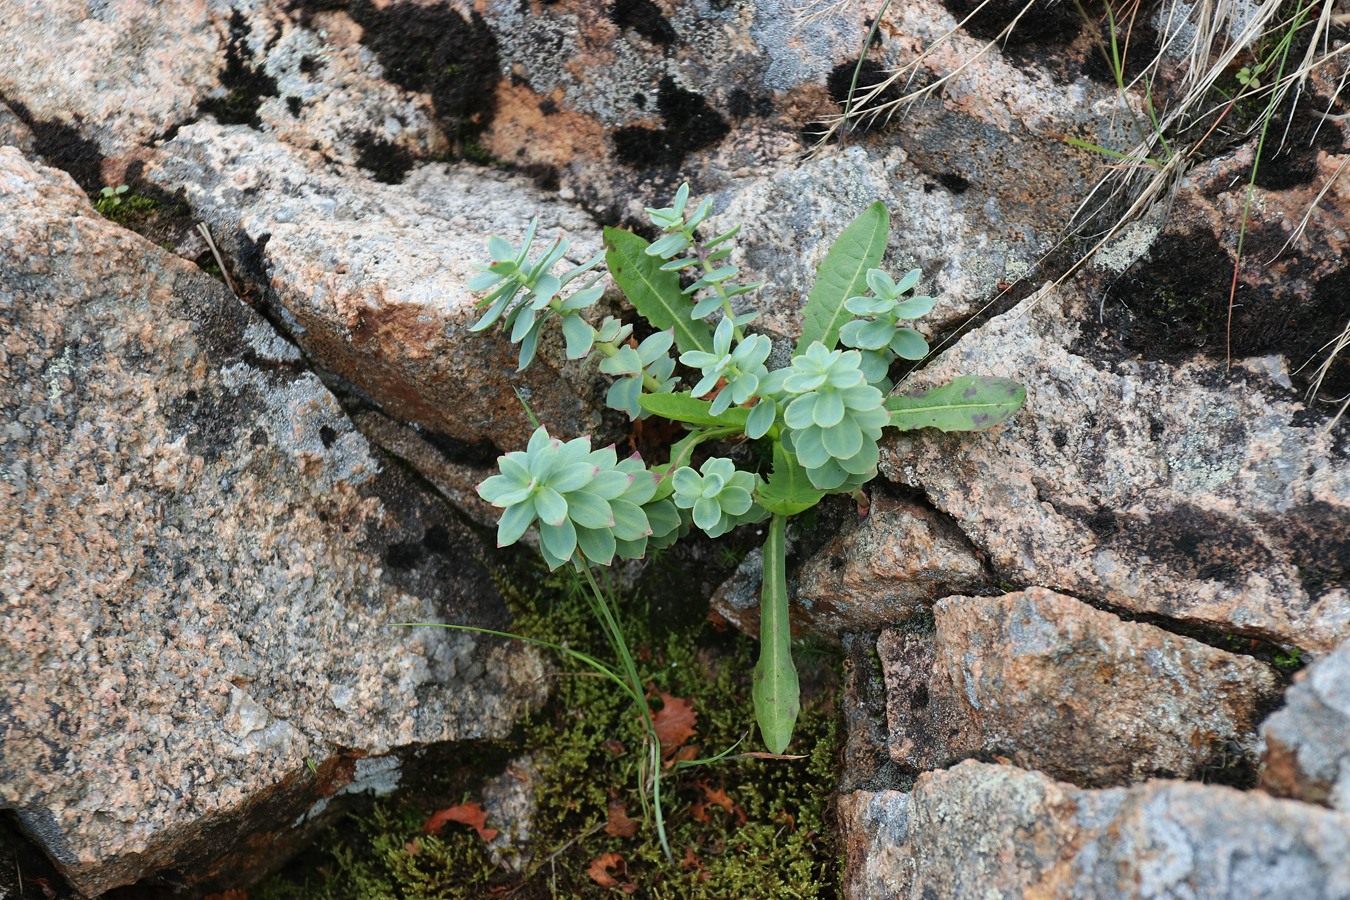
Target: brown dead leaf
(600,868)
(674,722)
(471,814)
(691,860)
(685,754)
(716,797)
(413,847)
(619,824)
(613,747)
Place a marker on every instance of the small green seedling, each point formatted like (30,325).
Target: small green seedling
(109,199)
(818,418)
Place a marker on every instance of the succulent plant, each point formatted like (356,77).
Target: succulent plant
(720,498)
(835,417)
(742,368)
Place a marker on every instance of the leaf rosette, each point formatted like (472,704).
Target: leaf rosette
(835,417)
(720,498)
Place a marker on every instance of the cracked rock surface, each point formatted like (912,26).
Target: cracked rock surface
(201,563)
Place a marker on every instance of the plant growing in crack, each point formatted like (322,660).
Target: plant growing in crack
(819,418)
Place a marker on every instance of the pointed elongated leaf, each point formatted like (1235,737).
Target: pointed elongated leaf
(655,293)
(968,403)
(788,490)
(684,408)
(843,274)
(776,691)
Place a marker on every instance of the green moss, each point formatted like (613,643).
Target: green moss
(775,842)
(132,209)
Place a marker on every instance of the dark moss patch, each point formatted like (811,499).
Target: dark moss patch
(644,17)
(1326,315)
(1290,154)
(742,105)
(1174,305)
(1136,43)
(688,124)
(1317,538)
(385,161)
(432,50)
(1196,543)
(953,182)
(63,146)
(1046,22)
(849,96)
(245,85)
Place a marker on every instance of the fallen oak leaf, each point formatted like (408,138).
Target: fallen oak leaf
(471,814)
(600,867)
(717,797)
(674,721)
(619,824)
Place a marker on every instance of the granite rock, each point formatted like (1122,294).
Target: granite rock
(202,564)
(987,830)
(1052,684)
(1179,490)
(116,75)
(1307,753)
(371,278)
(895,562)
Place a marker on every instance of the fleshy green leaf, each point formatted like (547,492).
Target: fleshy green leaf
(788,491)
(776,690)
(684,408)
(655,294)
(843,274)
(968,403)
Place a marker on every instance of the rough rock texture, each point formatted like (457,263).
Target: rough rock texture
(1307,753)
(201,563)
(1216,500)
(984,830)
(371,278)
(1055,685)
(117,74)
(896,561)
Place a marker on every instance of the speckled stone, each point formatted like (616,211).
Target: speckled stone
(371,278)
(1052,684)
(1169,489)
(120,73)
(999,831)
(1307,752)
(897,560)
(201,567)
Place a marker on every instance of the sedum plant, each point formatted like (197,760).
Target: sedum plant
(818,419)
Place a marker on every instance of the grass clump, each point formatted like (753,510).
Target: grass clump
(743,827)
